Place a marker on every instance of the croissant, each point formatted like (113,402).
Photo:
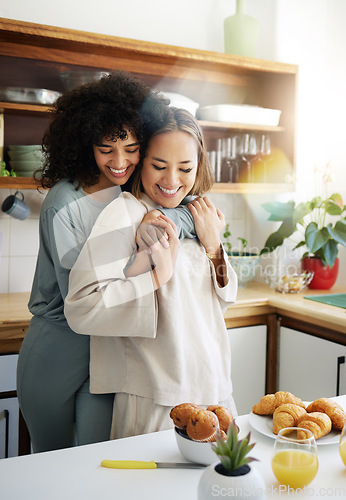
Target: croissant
(283,397)
(331,408)
(317,422)
(265,406)
(286,415)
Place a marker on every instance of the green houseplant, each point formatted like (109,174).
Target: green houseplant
(233,473)
(320,237)
(243,262)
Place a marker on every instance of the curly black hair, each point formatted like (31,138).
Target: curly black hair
(87,114)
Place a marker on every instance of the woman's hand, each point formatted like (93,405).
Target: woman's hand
(151,231)
(153,252)
(209,222)
(164,259)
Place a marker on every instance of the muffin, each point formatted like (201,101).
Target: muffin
(202,426)
(223,414)
(181,414)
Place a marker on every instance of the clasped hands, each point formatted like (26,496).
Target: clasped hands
(209,222)
(158,242)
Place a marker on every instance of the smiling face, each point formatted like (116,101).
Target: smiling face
(117,159)
(170,167)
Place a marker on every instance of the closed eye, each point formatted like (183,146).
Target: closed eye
(132,150)
(156,167)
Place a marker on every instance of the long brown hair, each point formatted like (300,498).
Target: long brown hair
(180,119)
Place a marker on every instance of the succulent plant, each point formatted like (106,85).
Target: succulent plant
(233,452)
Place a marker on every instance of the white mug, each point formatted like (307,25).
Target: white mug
(16,207)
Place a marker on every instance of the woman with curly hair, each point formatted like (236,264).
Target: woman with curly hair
(92,147)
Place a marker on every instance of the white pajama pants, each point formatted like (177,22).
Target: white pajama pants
(134,415)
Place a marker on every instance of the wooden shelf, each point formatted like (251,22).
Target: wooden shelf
(30,183)
(34,55)
(21,108)
(238,127)
(242,188)
(18,183)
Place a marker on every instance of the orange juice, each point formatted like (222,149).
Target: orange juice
(342,450)
(295,468)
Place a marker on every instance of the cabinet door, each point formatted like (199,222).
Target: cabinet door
(308,365)
(248,348)
(9,432)
(8,367)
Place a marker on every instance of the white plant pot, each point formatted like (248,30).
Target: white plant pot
(215,485)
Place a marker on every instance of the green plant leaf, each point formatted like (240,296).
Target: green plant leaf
(226,462)
(232,436)
(221,447)
(328,253)
(315,238)
(276,239)
(316,202)
(300,244)
(301,211)
(279,210)
(244,448)
(227,232)
(338,233)
(336,199)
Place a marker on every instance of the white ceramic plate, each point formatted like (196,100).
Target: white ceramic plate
(243,114)
(264,425)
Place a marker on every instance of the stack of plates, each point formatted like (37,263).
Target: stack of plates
(24,160)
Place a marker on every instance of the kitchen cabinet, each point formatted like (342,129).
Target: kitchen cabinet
(308,366)
(33,55)
(9,410)
(248,351)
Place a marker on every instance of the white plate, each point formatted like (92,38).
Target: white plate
(240,113)
(264,425)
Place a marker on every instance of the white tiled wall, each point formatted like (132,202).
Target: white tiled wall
(20,239)
(19,244)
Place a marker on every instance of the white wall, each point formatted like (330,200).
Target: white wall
(193,23)
(310,33)
(304,32)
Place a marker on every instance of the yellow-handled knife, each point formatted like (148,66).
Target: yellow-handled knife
(140,464)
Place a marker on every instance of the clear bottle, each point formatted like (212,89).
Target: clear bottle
(226,165)
(218,162)
(265,151)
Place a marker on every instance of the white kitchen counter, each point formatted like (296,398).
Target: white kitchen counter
(76,474)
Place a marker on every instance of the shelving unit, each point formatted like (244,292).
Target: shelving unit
(33,55)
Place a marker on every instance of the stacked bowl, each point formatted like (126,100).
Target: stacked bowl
(24,160)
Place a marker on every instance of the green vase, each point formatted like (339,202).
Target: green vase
(240,33)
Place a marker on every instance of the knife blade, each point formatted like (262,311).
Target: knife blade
(140,464)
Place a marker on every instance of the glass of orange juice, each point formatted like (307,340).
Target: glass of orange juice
(342,445)
(295,458)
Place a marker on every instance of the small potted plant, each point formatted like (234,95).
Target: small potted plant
(321,238)
(321,226)
(243,262)
(233,473)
